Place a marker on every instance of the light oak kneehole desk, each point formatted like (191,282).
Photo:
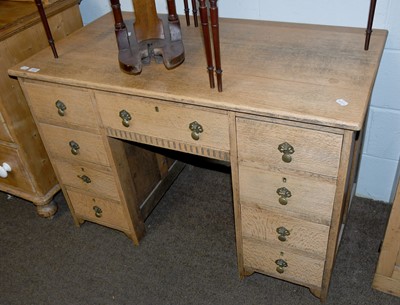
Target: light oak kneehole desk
(289,122)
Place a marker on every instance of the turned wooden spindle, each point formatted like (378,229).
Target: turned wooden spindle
(172,15)
(207,40)
(194,10)
(369,25)
(186,9)
(215,33)
(46,26)
(119,24)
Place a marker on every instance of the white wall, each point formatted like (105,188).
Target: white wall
(381,151)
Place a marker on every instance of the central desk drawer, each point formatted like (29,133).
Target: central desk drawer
(165,121)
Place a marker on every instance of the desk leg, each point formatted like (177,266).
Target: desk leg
(353,174)
(126,188)
(236,197)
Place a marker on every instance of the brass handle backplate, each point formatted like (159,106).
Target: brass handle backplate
(287,151)
(196,129)
(61,108)
(74,147)
(97,211)
(126,117)
(282,233)
(284,194)
(85,179)
(281,265)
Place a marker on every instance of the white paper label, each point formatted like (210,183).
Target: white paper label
(342,102)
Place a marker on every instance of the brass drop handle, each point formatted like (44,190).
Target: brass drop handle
(196,129)
(61,108)
(287,151)
(281,265)
(126,117)
(74,147)
(85,179)
(284,194)
(97,211)
(283,233)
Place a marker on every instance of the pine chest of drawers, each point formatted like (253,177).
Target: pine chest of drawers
(281,123)
(31,175)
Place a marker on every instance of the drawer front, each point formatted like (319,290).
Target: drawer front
(92,180)
(74,144)
(301,269)
(305,197)
(314,151)
(61,105)
(17,177)
(104,212)
(281,230)
(166,121)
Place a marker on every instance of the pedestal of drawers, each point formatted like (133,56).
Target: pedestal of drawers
(104,180)
(287,198)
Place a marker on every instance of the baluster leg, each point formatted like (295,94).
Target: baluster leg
(207,40)
(215,32)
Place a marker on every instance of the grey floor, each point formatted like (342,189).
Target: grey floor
(187,256)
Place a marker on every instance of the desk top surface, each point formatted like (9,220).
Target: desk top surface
(281,70)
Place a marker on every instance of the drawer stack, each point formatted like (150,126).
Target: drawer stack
(287,185)
(72,136)
(18,179)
